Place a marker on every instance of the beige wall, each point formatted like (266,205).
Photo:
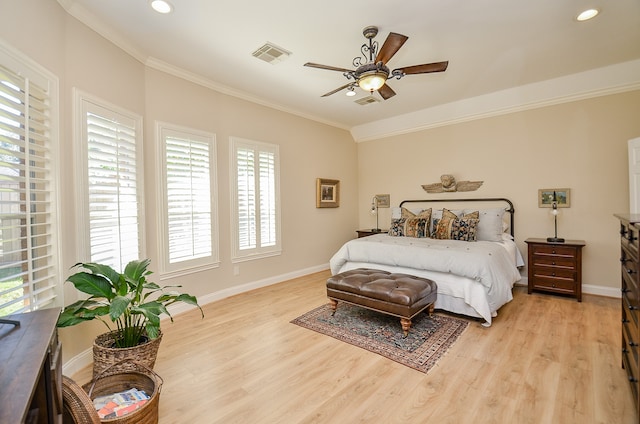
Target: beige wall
(580,145)
(82,59)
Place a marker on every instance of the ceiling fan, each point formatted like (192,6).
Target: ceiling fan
(372,75)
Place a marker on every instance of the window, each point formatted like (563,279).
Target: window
(189,218)
(110,148)
(256,199)
(29,267)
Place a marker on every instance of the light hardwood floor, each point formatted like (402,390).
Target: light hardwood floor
(545,359)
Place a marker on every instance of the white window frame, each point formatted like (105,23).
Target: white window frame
(238,254)
(44,284)
(82,103)
(169,270)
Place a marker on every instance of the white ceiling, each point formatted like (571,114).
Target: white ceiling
(491,46)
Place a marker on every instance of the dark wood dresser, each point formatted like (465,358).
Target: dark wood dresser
(31,369)
(629,232)
(555,267)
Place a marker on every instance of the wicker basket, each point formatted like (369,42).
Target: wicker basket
(105,355)
(142,378)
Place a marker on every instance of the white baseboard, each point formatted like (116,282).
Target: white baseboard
(85,358)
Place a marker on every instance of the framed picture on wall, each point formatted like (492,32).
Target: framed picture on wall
(327,193)
(545,197)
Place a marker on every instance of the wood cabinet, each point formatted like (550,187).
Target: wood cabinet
(555,267)
(31,369)
(629,282)
(365,233)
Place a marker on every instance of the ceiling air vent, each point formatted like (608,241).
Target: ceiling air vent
(367,100)
(271,53)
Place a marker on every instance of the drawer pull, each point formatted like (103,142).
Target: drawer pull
(633,308)
(624,290)
(632,379)
(631,237)
(623,260)
(632,344)
(624,350)
(630,271)
(623,231)
(624,320)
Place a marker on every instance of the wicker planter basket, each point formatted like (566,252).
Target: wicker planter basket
(142,378)
(106,356)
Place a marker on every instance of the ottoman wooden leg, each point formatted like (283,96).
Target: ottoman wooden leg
(431,308)
(334,305)
(406,325)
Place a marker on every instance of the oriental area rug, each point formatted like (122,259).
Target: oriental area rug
(427,341)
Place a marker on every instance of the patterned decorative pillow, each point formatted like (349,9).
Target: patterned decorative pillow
(442,229)
(418,226)
(464,229)
(408,224)
(472,215)
(396,229)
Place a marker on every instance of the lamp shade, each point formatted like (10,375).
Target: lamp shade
(372,80)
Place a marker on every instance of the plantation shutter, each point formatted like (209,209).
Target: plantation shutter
(256,199)
(112,184)
(246,199)
(267,199)
(28,256)
(188,198)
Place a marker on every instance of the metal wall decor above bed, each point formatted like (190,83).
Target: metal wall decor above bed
(510,209)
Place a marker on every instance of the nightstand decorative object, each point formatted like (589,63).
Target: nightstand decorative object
(555,267)
(370,232)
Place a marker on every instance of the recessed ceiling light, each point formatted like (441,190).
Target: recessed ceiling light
(161,6)
(587,14)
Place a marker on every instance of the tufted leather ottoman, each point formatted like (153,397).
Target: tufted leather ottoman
(400,295)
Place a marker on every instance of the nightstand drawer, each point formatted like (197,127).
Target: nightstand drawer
(554,262)
(554,273)
(554,250)
(554,284)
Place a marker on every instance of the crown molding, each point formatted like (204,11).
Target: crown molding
(604,81)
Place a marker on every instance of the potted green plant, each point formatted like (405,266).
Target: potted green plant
(128,304)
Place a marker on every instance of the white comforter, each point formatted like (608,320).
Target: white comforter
(488,269)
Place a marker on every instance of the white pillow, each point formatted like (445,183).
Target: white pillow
(490,227)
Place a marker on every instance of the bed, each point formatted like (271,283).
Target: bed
(473,257)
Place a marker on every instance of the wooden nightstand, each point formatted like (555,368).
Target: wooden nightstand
(555,267)
(370,232)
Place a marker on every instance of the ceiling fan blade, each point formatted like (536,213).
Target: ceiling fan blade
(424,69)
(386,92)
(336,90)
(329,68)
(391,46)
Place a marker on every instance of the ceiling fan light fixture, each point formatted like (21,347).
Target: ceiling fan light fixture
(351,92)
(372,80)
(161,6)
